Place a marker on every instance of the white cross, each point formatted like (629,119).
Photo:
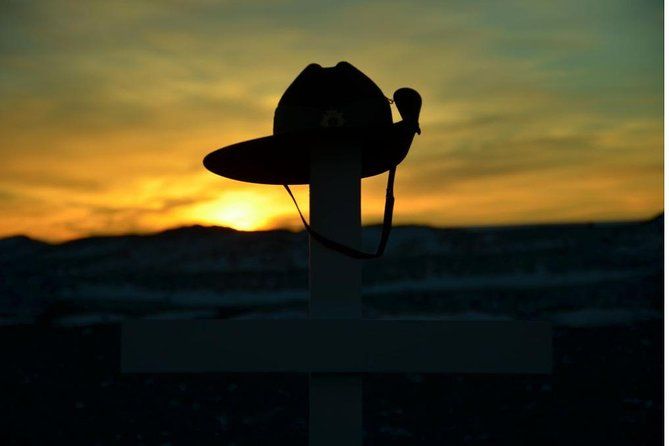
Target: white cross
(335,346)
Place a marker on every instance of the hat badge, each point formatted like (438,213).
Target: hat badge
(332,118)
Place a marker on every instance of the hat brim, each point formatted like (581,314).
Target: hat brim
(285,158)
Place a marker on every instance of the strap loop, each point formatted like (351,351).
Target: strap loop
(347,250)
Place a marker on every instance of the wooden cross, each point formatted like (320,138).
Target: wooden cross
(335,346)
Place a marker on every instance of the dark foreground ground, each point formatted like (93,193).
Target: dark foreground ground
(600,285)
(63,386)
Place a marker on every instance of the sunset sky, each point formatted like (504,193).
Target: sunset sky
(533,110)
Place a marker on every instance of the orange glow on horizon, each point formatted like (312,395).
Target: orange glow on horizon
(243,211)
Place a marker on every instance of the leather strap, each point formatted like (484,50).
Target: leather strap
(347,250)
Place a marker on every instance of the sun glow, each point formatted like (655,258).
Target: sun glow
(238,210)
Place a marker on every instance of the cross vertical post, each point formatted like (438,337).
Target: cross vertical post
(335,400)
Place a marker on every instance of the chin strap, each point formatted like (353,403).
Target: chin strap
(408,103)
(347,250)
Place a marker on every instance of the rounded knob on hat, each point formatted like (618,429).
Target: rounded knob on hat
(408,103)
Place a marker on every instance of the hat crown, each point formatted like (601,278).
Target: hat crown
(339,96)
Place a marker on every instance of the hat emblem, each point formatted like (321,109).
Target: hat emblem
(332,118)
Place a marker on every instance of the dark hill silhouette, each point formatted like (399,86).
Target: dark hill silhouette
(450,269)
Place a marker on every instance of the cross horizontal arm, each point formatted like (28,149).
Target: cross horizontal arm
(339,346)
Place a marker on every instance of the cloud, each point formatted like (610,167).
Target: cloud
(106,109)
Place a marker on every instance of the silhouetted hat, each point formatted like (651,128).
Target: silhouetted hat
(321,106)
